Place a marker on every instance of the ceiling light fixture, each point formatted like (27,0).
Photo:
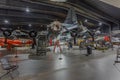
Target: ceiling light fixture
(100,23)
(6,21)
(27,10)
(29,25)
(86,20)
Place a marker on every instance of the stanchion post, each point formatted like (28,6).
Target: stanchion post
(16,55)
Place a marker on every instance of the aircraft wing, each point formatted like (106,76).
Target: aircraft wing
(68,27)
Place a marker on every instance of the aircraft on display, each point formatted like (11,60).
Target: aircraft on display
(68,27)
(115,37)
(71,23)
(14,42)
(15,38)
(116,33)
(72,27)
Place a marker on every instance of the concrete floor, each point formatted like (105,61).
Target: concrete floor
(73,66)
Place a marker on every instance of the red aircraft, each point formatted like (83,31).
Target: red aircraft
(14,43)
(11,38)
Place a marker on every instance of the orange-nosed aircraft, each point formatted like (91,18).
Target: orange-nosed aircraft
(14,43)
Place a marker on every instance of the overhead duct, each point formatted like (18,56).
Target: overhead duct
(59,0)
(115,3)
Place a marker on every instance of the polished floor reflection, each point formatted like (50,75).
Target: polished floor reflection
(73,66)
